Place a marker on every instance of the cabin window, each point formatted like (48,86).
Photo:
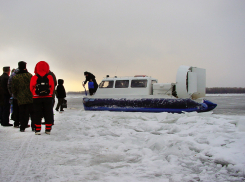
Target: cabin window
(153,81)
(139,83)
(122,84)
(106,84)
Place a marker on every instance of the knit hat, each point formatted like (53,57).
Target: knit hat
(6,68)
(85,73)
(60,81)
(22,65)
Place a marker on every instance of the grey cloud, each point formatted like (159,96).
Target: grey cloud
(127,37)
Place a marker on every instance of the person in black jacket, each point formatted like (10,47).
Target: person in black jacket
(60,94)
(88,77)
(5,109)
(1,100)
(55,84)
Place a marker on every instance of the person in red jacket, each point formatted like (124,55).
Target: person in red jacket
(42,100)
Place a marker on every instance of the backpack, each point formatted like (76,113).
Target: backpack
(91,85)
(42,86)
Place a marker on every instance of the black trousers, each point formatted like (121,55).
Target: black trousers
(5,110)
(53,101)
(59,105)
(15,114)
(43,107)
(25,111)
(91,91)
(1,115)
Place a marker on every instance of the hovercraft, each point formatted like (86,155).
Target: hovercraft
(143,93)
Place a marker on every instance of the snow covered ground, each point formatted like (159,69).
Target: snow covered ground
(126,147)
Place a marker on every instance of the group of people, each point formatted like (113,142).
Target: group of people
(31,96)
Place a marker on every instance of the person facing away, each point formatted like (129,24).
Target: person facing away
(21,91)
(60,94)
(5,108)
(1,100)
(11,98)
(15,113)
(88,77)
(55,84)
(42,97)
(91,87)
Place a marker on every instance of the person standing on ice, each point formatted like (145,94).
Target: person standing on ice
(1,100)
(5,108)
(60,94)
(42,88)
(20,89)
(55,84)
(15,113)
(88,77)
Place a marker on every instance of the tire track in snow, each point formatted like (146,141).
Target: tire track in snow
(23,155)
(21,148)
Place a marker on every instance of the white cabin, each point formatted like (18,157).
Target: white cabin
(190,83)
(137,85)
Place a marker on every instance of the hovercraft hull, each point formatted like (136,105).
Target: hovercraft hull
(147,105)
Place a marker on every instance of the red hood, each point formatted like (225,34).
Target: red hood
(42,68)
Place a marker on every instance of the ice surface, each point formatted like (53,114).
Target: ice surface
(120,146)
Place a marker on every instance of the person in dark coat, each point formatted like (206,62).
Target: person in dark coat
(15,113)
(53,100)
(55,84)
(1,100)
(60,94)
(5,109)
(21,91)
(88,77)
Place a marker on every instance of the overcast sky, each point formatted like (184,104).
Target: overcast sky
(125,38)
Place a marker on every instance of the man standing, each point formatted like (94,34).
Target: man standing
(21,91)
(53,100)
(61,94)
(5,109)
(55,84)
(15,113)
(1,100)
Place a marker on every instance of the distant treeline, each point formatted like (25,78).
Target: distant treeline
(225,90)
(81,92)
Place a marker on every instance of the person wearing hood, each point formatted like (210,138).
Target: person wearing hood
(5,108)
(42,97)
(20,89)
(60,94)
(89,76)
